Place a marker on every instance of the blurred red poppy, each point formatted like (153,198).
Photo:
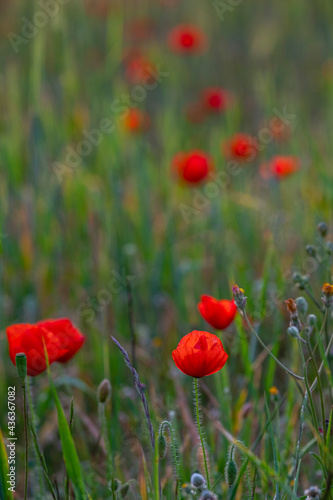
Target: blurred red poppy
(200,354)
(187,38)
(241,147)
(138,68)
(192,167)
(215,99)
(136,121)
(61,338)
(280,166)
(218,313)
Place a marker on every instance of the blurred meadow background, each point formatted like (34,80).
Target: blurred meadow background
(105,234)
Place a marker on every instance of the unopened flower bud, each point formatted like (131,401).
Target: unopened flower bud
(230,471)
(239,297)
(293,332)
(302,305)
(301,280)
(198,481)
(329,247)
(311,250)
(313,493)
(21,365)
(322,229)
(207,495)
(312,320)
(104,391)
(162,446)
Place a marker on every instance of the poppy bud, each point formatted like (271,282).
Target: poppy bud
(322,229)
(293,332)
(104,391)
(302,305)
(312,320)
(311,250)
(21,365)
(198,481)
(230,470)
(207,495)
(162,446)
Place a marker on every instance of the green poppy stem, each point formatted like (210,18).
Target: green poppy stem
(25,414)
(196,388)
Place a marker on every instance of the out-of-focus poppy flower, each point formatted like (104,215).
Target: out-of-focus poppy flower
(98,8)
(218,313)
(192,167)
(200,354)
(215,99)
(136,121)
(62,341)
(241,147)
(139,30)
(280,166)
(138,68)
(195,112)
(279,129)
(187,39)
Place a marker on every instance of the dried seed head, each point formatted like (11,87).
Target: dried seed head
(302,305)
(198,481)
(291,306)
(322,229)
(104,391)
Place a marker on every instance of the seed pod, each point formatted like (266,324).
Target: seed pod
(312,320)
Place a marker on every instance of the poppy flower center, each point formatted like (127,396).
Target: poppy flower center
(187,40)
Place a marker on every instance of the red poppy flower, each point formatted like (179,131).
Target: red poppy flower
(136,120)
(138,68)
(218,313)
(200,354)
(280,166)
(241,147)
(192,167)
(215,99)
(187,38)
(61,338)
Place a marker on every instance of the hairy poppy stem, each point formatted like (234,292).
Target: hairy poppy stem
(196,388)
(298,377)
(25,413)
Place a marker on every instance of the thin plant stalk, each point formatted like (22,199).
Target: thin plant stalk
(287,370)
(196,389)
(25,413)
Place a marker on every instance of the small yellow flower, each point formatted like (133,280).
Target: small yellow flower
(327,289)
(274,391)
